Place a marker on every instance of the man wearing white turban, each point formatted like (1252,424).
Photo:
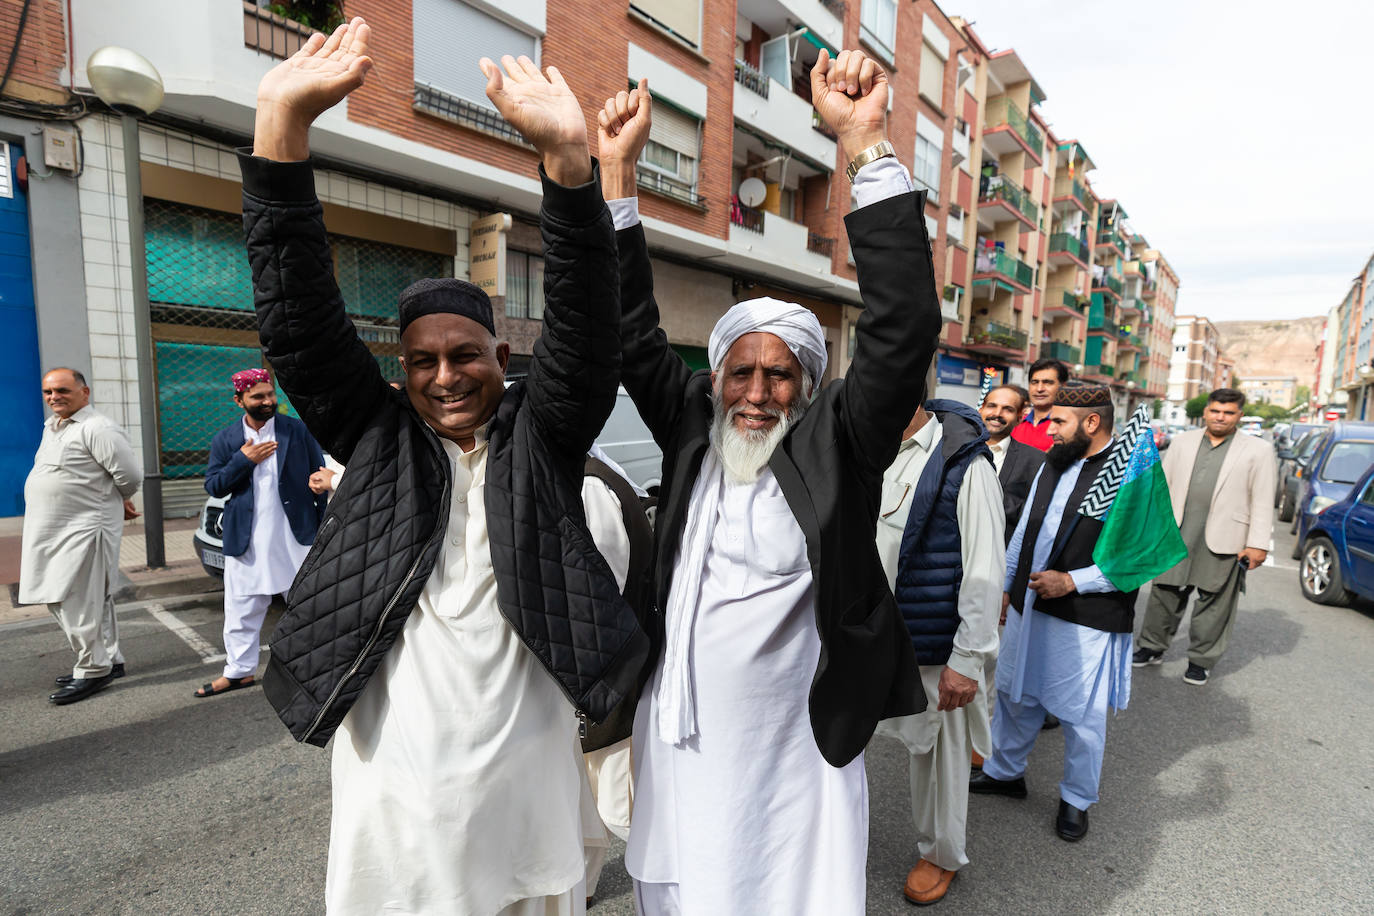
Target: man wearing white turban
(782,645)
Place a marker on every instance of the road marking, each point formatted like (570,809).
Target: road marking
(198,643)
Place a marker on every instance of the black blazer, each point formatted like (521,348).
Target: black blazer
(1018,473)
(829,467)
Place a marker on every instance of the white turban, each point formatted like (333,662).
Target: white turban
(795,326)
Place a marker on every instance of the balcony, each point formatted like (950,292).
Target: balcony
(1104,371)
(1102,327)
(1075,192)
(1004,201)
(779,242)
(1069,247)
(1148,289)
(996,338)
(994,264)
(1130,342)
(1057,349)
(1107,284)
(1065,305)
(1110,238)
(767,107)
(271,33)
(1006,129)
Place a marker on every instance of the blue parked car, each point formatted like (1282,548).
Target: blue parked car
(1345,453)
(1338,552)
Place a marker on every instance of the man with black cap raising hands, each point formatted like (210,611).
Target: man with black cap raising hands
(1066,648)
(453,622)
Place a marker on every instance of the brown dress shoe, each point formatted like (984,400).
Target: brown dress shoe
(927,883)
(977,760)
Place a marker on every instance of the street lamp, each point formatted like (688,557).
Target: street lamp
(129,84)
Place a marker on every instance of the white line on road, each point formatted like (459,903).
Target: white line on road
(198,643)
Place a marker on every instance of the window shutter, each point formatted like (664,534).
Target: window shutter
(682,16)
(932,76)
(450,37)
(675,130)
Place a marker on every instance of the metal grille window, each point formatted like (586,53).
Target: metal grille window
(204,327)
(524,285)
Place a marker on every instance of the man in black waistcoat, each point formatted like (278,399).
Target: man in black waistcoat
(1067,643)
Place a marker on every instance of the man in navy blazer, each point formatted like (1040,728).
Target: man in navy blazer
(264,464)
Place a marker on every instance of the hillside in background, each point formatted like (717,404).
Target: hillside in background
(1273,348)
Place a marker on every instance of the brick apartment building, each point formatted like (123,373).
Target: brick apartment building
(1029,262)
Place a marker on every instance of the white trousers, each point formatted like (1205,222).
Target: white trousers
(87,617)
(243,616)
(569,903)
(657,899)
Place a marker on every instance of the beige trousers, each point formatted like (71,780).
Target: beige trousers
(87,617)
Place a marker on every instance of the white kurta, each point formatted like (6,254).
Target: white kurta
(274,555)
(73,506)
(747,817)
(458,782)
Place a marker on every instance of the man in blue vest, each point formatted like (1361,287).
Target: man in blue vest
(941,542)
(265,463)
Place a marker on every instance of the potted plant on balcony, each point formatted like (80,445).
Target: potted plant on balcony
(281,28)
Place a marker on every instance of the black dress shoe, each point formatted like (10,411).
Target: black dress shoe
(1051,721)
(1071,824)
(62,680)
(980,783)
(80,688)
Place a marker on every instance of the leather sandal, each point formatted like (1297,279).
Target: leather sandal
(235,683)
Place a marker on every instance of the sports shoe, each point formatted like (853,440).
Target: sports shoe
(1195,675)
(1145,657)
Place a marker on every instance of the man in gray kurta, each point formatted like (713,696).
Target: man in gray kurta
(1219,514)
(76,500)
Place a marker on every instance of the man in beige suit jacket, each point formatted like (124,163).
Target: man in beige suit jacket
(1221,483)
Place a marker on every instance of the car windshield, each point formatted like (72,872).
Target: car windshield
(1348,461)
(1308,445)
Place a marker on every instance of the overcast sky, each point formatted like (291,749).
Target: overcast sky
(1239,137)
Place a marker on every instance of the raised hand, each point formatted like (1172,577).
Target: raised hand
(299,89)
(850,93)
(622,130)
(546,113)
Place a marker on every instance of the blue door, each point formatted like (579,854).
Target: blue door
(1359,541)
(19,372)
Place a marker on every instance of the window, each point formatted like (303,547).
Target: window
(680,17)
(524,285)
(1347,461)
(927,170)
(878,25)
(669,161)
(932,76)
(451,36)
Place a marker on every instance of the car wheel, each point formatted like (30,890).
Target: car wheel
(1320,574)
(1286,506)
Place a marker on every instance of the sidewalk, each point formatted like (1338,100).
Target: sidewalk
(182,575)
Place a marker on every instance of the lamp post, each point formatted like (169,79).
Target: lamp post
(129,84)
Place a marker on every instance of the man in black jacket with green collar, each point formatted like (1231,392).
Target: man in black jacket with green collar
(783,646)
(454,619)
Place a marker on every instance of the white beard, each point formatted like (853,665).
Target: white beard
(744,454)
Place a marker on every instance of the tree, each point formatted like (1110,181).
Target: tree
(1196,406)
(1302,396)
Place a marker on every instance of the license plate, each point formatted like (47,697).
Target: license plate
(213,558)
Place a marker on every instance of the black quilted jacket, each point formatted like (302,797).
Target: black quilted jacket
(378,542)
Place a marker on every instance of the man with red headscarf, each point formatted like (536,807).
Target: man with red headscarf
(263,463)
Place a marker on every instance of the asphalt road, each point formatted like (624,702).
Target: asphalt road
(1250,795)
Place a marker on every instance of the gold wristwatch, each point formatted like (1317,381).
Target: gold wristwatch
(875,152)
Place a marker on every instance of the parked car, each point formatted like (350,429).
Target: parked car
(1293,434)
(1162,435)
(1292,463)
(1340,459)
(1338,552)
(624,437)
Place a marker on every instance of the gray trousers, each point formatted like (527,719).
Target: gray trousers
(1214,614)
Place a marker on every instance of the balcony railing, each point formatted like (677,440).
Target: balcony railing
(996,334)
(1129,340)
(1104,369)
(1107,237)
(1110,328)
(1072,187)
(1071,302)
(1003,112)
(272,33)
(1019,200)
(751,78)
(1069,244)
(838,7)
(750,218)
(1109,282)
(820,244)
(997,261)
(1057,349)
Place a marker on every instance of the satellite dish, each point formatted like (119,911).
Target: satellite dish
(752,191)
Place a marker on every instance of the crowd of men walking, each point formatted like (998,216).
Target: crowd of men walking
(505,660)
